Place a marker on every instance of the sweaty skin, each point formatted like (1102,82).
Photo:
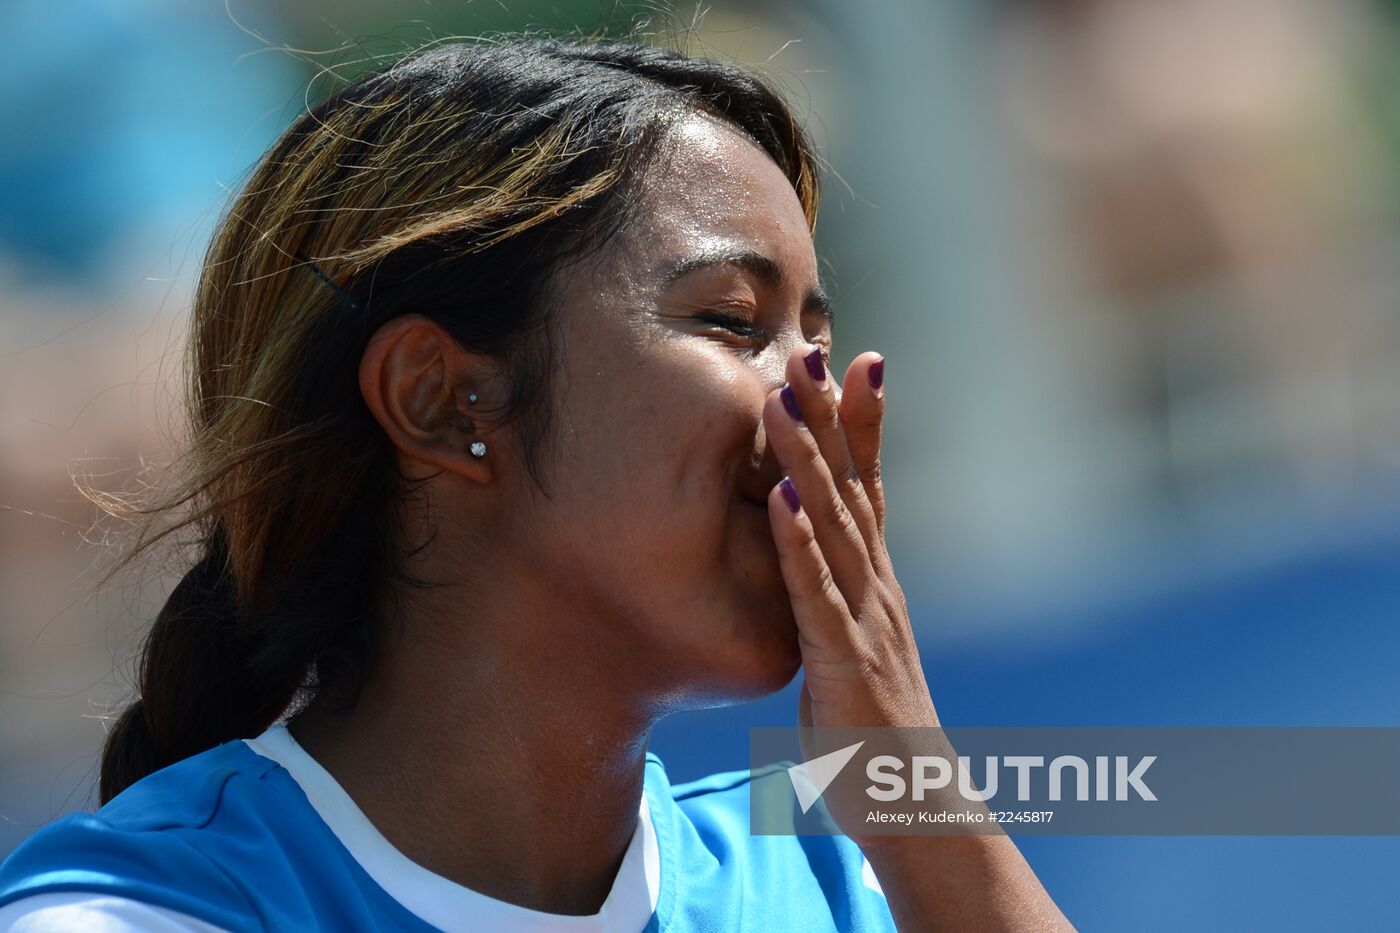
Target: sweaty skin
(658,570)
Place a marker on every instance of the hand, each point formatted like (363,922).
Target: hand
(858,653)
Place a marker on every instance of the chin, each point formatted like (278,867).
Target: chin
(756,657)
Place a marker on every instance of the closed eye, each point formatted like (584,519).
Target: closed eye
(738,325)
(747,329)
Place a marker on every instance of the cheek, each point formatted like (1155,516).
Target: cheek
(653,425)
(649,466)
(675,428)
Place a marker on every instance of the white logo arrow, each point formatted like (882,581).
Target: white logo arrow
(811,778)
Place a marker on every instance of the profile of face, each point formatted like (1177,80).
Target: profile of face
(657,537)
(646,563)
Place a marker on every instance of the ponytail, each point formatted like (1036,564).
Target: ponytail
(452,184)
(196,686)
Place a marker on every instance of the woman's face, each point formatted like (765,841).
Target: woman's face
(659,469)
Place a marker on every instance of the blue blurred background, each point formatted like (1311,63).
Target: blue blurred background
(1134,268)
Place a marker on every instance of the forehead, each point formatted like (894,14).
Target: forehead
(713,188)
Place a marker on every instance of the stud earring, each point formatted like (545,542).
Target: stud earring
(478,448)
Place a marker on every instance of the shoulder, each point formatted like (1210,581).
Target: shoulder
(763,799)
(65,911)
(191,793)
(816,880)
(164,841)
(733,783)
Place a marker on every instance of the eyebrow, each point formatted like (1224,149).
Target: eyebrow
(768,271)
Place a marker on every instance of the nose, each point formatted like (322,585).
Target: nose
(775,365)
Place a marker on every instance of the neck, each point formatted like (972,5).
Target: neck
(515,738)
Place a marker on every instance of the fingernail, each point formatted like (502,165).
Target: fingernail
(877,374)
(790,402)
(789,492)
(816,366)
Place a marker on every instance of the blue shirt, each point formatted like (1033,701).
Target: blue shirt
(231,837)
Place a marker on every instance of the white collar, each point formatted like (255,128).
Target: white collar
(444,903)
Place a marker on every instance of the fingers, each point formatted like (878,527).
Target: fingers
(833,526)
(862,408)
(825,624)
(821,403)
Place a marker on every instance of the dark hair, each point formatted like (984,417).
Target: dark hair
(454,183)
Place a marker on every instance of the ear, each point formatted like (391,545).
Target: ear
(416,381)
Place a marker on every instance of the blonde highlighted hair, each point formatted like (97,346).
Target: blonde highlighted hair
(452,184)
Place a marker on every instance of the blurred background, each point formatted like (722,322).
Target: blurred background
(1135,267)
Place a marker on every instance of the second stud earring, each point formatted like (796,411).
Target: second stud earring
(478,448)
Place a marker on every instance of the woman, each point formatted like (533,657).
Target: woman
(512,432)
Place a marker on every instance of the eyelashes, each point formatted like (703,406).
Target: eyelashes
(741,326)
(747,329)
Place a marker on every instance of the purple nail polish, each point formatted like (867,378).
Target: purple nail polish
(877,373)
(790,402)
(789,492)
(816,366)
